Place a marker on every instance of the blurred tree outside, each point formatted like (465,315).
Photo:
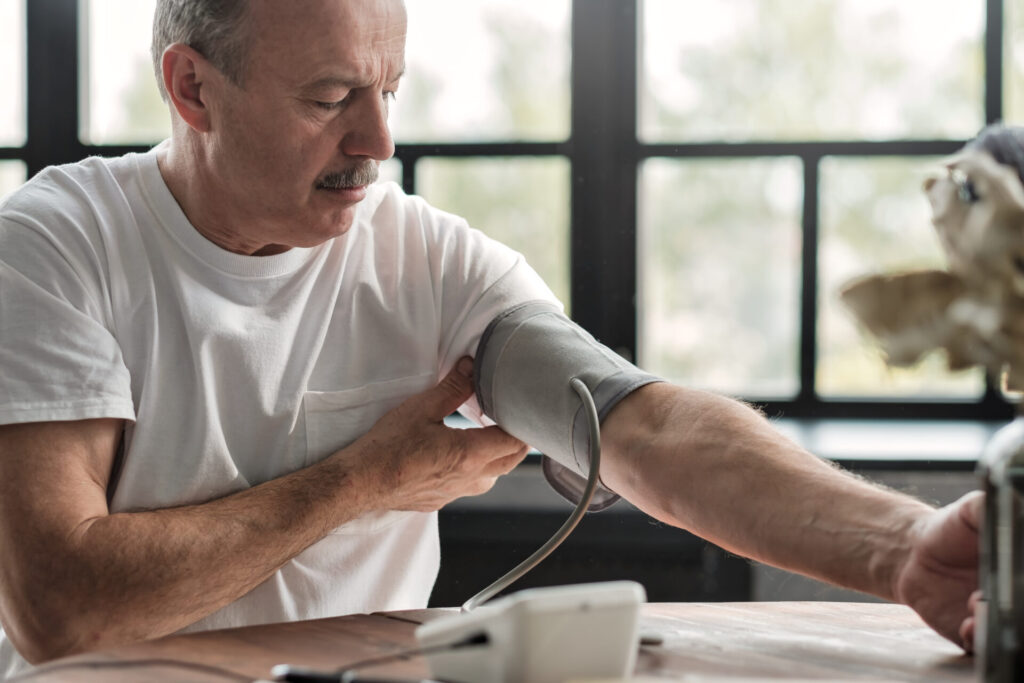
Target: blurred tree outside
(819,69)
(143,117)
(719,265)
(12,73)
(485,71)
(520,201)
(121,103)
(12,175)
(1013,60)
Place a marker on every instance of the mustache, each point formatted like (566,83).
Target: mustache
(364,173)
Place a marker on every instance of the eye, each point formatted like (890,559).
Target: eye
(964,186)
(331,106)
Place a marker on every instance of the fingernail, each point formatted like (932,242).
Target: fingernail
(465,366)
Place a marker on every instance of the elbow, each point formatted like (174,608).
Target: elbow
(42,630)
(38,647)
(37,650)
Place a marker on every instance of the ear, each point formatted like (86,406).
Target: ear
(184,71)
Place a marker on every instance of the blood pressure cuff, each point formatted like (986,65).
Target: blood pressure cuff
(524,364)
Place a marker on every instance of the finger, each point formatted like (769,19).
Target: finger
(505,463)
(446,396)
(956,526)
(972,602)
(491,442)
(967,634)
(483,485)
(971,506)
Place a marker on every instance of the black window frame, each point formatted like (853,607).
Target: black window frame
(604,154)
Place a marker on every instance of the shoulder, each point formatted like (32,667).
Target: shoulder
(386,202)
(392,214)
(68,184)
(69,196)
(63,223)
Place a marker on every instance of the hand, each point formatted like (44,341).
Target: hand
(418,463)
(941,573)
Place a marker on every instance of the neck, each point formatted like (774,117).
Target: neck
(185,168)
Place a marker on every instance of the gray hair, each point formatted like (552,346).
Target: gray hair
(213,28)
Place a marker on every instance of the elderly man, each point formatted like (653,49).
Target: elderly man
(224,366)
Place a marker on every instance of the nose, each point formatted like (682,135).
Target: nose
(367,134)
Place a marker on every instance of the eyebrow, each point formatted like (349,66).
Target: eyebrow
(344,82)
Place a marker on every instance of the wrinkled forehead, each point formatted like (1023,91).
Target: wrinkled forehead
(299,36)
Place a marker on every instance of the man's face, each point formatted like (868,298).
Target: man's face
(294,148)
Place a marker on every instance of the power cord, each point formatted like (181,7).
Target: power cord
(349,672)
(588,493)
(226,674)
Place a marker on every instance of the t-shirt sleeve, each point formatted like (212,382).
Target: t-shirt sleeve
(480,279)
(58,357)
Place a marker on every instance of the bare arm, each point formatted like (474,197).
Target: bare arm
(716,467)
(74,577)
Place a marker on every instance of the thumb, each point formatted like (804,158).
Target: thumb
(451,392)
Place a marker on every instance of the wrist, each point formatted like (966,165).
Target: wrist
(891,559)
(359,482)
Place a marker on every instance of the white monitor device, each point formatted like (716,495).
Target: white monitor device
(541,635)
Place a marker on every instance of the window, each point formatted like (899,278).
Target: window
(521,201)
(718,267)
(695,180)
(12,67)
(485,71)
(12,175)
(874,218)
(865,98)
(119,98)
(827,70)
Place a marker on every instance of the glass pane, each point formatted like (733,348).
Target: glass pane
(12,73)
(818,69)
(1013,59)
(12,175)
(719,273)
(875,218)
(391,170)
(521,201)
(120,100)
(485,71)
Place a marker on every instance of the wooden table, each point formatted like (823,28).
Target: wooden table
(809,641)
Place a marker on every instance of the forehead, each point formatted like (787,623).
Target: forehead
(302,38)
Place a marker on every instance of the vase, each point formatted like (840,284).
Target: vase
(1000,613)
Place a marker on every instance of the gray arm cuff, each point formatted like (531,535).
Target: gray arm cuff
(524,363)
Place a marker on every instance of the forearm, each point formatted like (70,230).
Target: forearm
(717,468)
(75,577)
(129,576)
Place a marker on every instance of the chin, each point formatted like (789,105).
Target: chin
(322,226)
(329,231)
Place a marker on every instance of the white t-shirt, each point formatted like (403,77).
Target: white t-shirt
(233,370)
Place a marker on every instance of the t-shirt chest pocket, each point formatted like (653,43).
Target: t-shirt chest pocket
(334,419)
